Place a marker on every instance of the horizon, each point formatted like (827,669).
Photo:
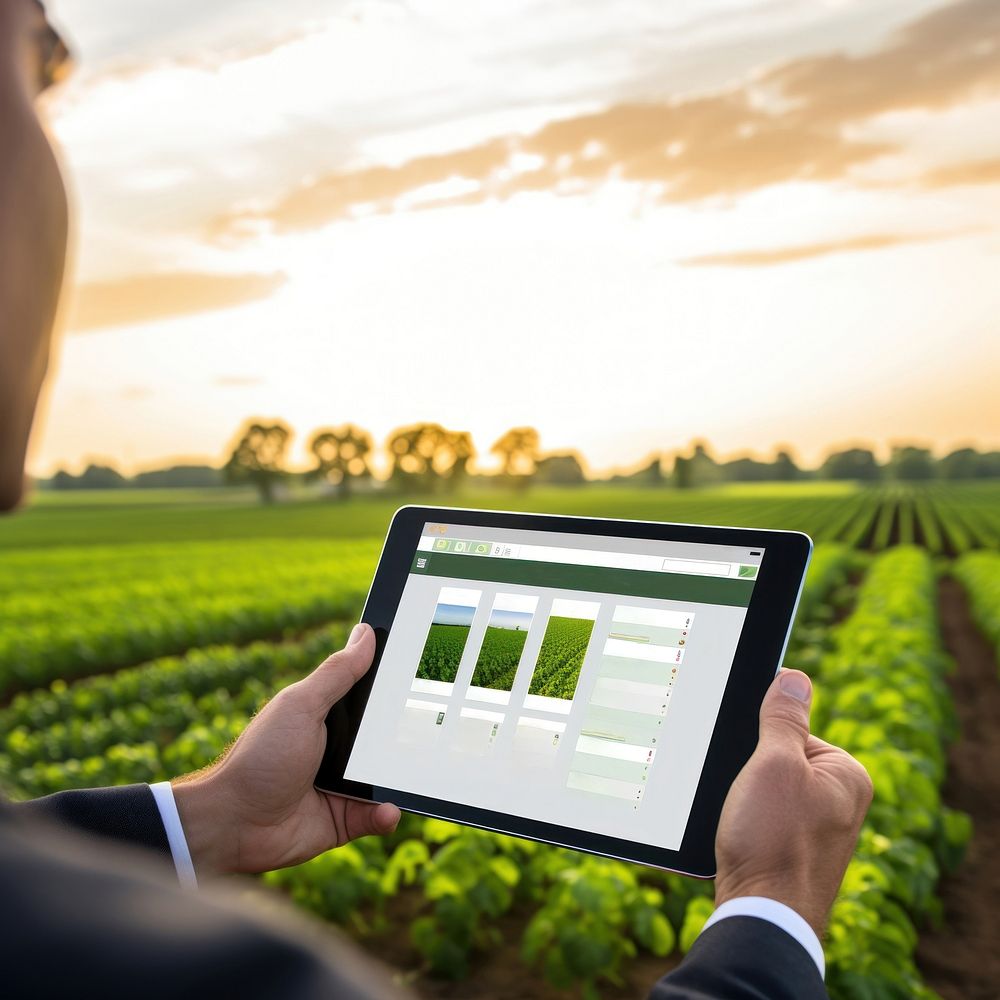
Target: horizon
(762,224)
(485,465)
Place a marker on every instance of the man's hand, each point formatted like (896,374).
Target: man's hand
(256,809)
(791,819)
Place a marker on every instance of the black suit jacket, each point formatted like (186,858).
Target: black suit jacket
(97,912)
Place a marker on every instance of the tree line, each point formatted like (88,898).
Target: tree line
(429,458)
(423,458)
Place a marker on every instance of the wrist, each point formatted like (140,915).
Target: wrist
(208,828)
(794,893)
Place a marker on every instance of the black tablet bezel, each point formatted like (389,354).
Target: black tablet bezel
(758,655)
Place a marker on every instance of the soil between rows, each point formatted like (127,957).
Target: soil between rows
(961,959)
(500,974)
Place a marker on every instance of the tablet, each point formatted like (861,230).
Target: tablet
(584,682)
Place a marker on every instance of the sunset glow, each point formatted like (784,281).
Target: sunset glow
(629,226)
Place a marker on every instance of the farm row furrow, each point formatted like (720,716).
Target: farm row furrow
(979,574)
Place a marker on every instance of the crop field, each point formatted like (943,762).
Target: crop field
(138,634)
(442,652)
(79,612)
(560,658)
(498,658)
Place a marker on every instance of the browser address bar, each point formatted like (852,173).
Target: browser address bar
(584,557)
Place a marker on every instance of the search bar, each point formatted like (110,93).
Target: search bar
(697,566)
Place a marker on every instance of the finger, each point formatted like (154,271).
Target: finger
(339,672)
(363,819)
(784,713)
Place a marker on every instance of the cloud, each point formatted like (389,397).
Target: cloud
(796,121)
(783,255)
(957,174)
(140,298)
(945,57)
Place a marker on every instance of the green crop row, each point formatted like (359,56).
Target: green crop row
(590,915)
(882,696)
(164,716)
(498,658)
(827,584)
(979,574)
(58,626)
(941,519)
(560,657)
(442,652)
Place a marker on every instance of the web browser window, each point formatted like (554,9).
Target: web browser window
(570,679)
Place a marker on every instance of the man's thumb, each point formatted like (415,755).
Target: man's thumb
(339,672)
(784,713)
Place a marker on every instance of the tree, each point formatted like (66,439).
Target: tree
(258,457)
(650,474)
(63,480)
(705,469)
(189,476)
(909,463)
(746,470)
(518,450)
(456,453)
(963,463)
(341,455)
(425,454)
(854,463)
(698,470)
(560,469)
(101,477)
(682,472)
(784,468)
(989,465)
(94,477)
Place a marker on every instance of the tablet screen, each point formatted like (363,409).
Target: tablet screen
(566,678)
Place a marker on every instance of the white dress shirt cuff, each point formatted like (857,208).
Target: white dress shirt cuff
(778,914)
(164,796)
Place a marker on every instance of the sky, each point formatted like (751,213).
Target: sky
(630,225)
(500,618)
(453,614)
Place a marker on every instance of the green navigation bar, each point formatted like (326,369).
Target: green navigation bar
(463,545)
(596,579)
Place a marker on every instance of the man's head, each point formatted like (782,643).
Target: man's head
(33,226)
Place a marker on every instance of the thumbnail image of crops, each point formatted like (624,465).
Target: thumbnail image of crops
(559,660)
(446,639)
(503,643)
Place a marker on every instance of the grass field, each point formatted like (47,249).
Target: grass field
(942,518)
(118,517)
(560,658)
(141,629)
